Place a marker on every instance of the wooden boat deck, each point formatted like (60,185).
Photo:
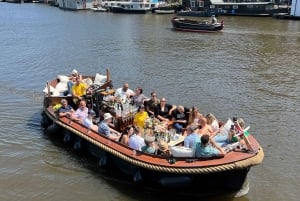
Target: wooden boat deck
(232,160)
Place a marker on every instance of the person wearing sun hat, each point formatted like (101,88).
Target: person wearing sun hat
(72,80)
(163,148)
(149,148)
(105,130)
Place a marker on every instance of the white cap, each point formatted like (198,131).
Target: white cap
(107,116)
(74,71)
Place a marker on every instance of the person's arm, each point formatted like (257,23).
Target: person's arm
(173,107)
(220,149)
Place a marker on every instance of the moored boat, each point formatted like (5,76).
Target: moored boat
(176,173)
(131,6)
(160,11)
(196,13)
(99,9)
(182,24)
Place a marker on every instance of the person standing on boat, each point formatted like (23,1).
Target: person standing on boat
(152,103)
(208,148)
(214,19)
(124,93)
(139,98)
(105,130)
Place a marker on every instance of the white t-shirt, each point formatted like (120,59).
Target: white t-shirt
(122,94)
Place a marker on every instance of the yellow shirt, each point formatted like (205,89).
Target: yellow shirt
(139,119)
(79,90)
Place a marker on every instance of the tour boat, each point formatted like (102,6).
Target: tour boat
(183,24)
(178,173)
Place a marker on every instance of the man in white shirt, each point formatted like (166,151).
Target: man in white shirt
(124,93)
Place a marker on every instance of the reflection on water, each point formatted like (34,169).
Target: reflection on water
(250,70)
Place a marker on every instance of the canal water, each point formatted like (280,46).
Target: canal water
(250,70)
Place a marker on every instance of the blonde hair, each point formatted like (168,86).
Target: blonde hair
(210,118)
(193,114)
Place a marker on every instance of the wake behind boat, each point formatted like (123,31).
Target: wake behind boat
(183,24)
(180,171)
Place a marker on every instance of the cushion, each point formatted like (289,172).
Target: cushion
(63,78)
(88,81)
(100,79)
(46,89)
(225,129)
(61,87)
(179,151)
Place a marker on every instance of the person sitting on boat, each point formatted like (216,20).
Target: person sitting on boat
(123,94)
(82,112)
(205,128)
(88,121)
(164,110)
(150,147)
(124,139)
(192,137)
(214,19)
(78,90)
(140,117)
(194,116)
(180,118)
(65,110)
(212,121)
(237,133)
(163,148)
(139,98)
(152,103)
(135,140)
(105,130)
(208,148)
(72,81)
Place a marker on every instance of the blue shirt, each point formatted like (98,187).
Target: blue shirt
(87,122)
(148,150)
(103,128)
(206,151)
(191,140)
(68,108)
(136,142)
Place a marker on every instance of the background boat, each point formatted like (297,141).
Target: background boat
(182,24)
(159,11)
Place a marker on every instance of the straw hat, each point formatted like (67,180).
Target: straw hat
(163,146)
